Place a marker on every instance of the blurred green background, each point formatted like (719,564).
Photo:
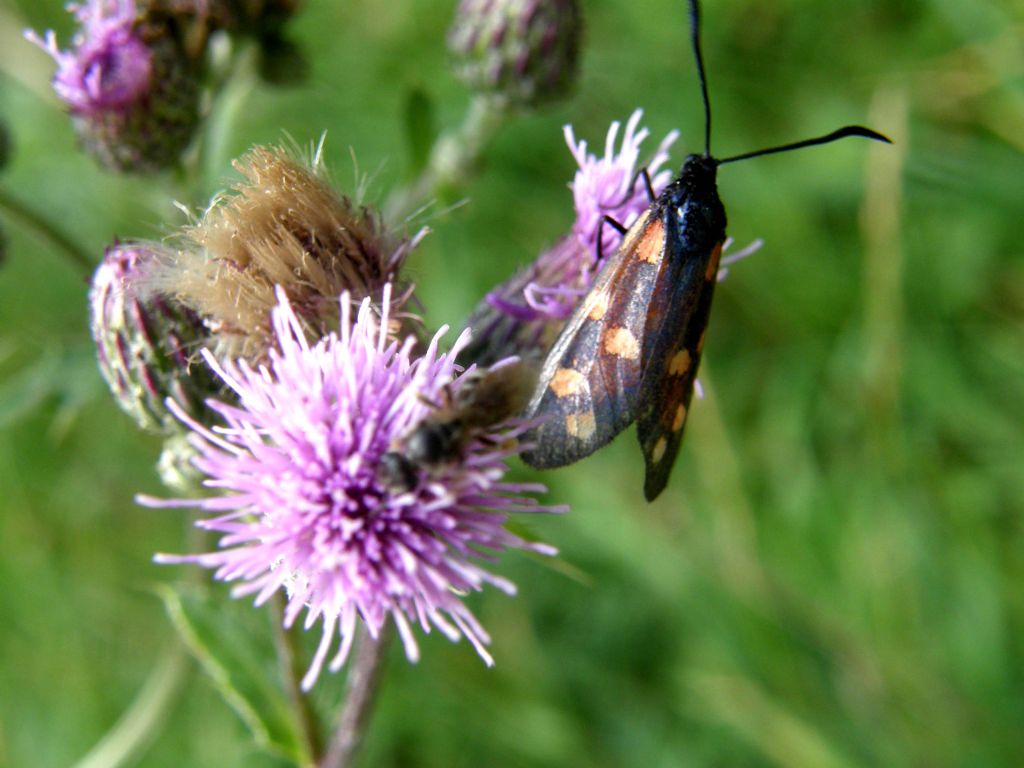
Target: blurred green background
(835,576)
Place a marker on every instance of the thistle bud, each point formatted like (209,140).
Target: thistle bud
(286,226)
(176,465)
(259,18)
(522,51)
(147,343)
(131,89)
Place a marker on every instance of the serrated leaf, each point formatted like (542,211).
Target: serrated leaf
(420,128)
(232,643)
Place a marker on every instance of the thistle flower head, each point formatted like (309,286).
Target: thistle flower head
(132,93)
(523,52)
(307,510)
(147,344)
(283,226)
(519,316)
(109,65)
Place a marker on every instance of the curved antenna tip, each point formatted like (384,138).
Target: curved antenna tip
(860,130)
(842,133)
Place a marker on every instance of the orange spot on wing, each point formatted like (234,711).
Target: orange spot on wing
(581,425)
(622,343)
(598,305)
(650,244)
(680,418)
(658,451)
(567,382)
(680,363)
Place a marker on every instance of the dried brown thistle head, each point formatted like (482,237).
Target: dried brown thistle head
(284,225)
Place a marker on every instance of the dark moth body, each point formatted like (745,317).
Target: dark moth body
(631,349)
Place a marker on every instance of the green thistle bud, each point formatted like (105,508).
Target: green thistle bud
(259,18)
(175,465)
(147,344)
(524,52)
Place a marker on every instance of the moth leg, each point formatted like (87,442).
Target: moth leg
(644,174)
(606,219)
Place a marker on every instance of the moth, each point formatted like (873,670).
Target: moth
(483,400)
(631,349)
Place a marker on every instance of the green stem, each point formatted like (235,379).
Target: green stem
(38,223)
(363,678)
(288,660)
(141,722)
(453,159)
(229,95)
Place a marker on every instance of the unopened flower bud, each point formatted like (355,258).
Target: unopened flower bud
(522,51)
(132,91)
(176,465)
(148,344)
(257,18)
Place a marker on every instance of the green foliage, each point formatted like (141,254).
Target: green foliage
(234,644)
(834,576)
(420,129)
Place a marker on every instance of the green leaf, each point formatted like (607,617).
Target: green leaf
(27,389)
(67,376)
(420,128)
(233,644)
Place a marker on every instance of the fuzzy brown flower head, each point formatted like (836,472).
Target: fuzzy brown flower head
(147,344)
(285,225)
(131,89)
(523,51)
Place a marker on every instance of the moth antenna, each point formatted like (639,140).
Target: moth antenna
(695,37)
(842,133)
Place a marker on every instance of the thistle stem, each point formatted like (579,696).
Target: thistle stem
(140,724)
(363,678)
(453,159)
(288,660)
(42,226)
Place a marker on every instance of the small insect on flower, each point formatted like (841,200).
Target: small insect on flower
(631,349)
(483,400)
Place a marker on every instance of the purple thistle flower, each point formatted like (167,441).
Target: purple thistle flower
(514,317)
(131,89)
(109,65)
(306,507)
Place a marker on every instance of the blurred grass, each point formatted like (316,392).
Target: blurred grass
(835,575)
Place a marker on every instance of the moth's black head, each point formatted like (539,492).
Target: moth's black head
(699,172)
(693,197)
